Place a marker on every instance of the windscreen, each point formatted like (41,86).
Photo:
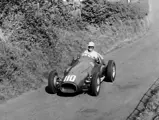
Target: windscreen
(86,58)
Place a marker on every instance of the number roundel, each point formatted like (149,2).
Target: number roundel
(70,78)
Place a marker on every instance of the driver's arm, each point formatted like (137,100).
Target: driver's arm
(97,58)
(101,58)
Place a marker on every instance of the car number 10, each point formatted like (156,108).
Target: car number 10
(70,78)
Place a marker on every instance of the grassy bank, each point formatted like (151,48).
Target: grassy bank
(148,107)
(45,36)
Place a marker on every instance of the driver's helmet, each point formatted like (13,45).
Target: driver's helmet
(91,46)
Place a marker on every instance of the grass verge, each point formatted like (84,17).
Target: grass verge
(148,107)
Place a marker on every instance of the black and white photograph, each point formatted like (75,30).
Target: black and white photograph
(79,60)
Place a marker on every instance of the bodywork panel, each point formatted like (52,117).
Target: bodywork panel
(83,68)
(78,72)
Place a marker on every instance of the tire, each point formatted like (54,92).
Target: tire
(110,71)
(95,82)
(52,82)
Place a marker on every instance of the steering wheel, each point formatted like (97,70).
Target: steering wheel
(97,61)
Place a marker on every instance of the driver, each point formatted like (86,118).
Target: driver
(90,52)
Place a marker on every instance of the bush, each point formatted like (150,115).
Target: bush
(109,13)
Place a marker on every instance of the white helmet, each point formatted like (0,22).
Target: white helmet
(91,44)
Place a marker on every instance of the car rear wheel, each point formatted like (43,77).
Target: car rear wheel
(95,85)
(110,71)
(52,82)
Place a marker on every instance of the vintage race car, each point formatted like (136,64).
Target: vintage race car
(83,75)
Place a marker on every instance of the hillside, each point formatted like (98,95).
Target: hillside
(39,37)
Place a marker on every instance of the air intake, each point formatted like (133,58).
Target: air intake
(68,88)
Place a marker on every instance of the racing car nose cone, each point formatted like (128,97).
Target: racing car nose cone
(68,88)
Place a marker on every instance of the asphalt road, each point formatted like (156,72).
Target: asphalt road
(137,69)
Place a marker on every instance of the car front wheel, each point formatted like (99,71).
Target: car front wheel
(52,82)
(95,85)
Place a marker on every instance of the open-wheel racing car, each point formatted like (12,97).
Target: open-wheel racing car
(83,75)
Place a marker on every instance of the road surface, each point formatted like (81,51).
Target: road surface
(137,69)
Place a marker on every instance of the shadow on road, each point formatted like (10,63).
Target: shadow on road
(62,94)
(48,91)
(68,94)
